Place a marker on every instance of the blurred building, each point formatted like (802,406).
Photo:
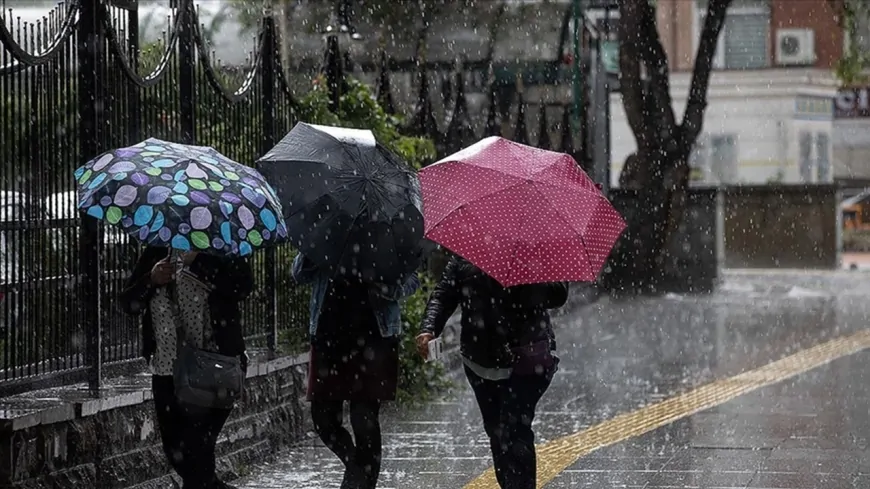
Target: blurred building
(776,113)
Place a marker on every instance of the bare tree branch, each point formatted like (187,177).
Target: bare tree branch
(630,81)
(693,118)
(656,60)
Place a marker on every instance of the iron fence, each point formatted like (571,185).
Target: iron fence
(79,82)
(75,84)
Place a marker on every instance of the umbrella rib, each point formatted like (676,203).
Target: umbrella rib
(558,208)
(512,268)
(465,204)
(470,202)
(477,167)
(564,220)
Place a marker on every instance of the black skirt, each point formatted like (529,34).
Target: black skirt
(350,359)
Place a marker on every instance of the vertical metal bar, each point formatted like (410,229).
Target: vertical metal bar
(267,100)
(601,105)
(187,71)
(133,92)
(577,14)
(91,105)
(333,71)
(31,179)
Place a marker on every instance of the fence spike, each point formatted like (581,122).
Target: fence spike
(521,133)
(385,93)
(423,122)
(493,119)
(567,142)
(460,130)
(544,141)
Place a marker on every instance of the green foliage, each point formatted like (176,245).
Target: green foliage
(851,68)
(359,109)
(418,381)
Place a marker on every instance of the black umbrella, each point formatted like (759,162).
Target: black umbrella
(351,206)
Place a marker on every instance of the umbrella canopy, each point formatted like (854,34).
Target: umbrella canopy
(521,214)
(351,206)
(180,196)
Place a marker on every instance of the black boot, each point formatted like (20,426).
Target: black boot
(354,477)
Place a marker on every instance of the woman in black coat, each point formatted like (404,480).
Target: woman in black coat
(202,300)
(508,348)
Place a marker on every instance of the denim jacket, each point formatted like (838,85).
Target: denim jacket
(384,299)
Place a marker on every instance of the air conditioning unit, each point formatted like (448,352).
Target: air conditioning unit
(795,47)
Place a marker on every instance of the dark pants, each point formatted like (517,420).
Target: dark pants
(189,438)
(508,409)
(361,454)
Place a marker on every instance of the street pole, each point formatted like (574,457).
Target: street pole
(576,84)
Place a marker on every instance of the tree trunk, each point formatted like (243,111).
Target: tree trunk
(656,176)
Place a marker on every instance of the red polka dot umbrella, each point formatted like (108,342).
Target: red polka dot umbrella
(522,214)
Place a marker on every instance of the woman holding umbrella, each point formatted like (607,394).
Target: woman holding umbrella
(507,346)
(199,214)
(354,209)
(355,330)
(525,221)
(201,301)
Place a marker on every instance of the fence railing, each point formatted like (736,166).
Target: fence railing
(80,82)
(76,84)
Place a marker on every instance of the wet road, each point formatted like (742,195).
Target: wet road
(807,431)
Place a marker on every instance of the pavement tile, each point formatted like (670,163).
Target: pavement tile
(601,464)
(617,356)
(700,479)
(768,480)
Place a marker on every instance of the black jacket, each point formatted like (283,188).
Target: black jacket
(232,282)
(495,320)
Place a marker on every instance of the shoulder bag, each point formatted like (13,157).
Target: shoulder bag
(203,378)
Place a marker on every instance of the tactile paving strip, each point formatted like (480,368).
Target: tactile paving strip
(558,455)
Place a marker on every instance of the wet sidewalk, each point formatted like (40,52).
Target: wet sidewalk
(622,357)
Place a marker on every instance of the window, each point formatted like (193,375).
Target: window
(699,162)
(805,160)
(723,158)
(823,160)
(743,42)
(714,159)
(862,34)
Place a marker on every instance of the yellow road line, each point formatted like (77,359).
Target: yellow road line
(557,455)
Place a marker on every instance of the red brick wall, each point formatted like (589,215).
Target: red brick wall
(674,19)
(819,15)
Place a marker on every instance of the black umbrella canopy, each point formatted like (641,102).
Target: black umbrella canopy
(351,205)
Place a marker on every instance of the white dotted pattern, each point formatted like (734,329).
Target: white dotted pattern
(193,307)
(521,214)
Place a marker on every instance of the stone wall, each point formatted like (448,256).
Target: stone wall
(694,253)
(770,226)
(63,438)
(782,226)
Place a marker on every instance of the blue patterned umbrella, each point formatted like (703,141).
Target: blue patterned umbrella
(184,197)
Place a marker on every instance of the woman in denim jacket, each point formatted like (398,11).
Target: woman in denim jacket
(354,331)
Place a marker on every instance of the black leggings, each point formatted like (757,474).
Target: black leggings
(508,410)
(189,439)
(362,459)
